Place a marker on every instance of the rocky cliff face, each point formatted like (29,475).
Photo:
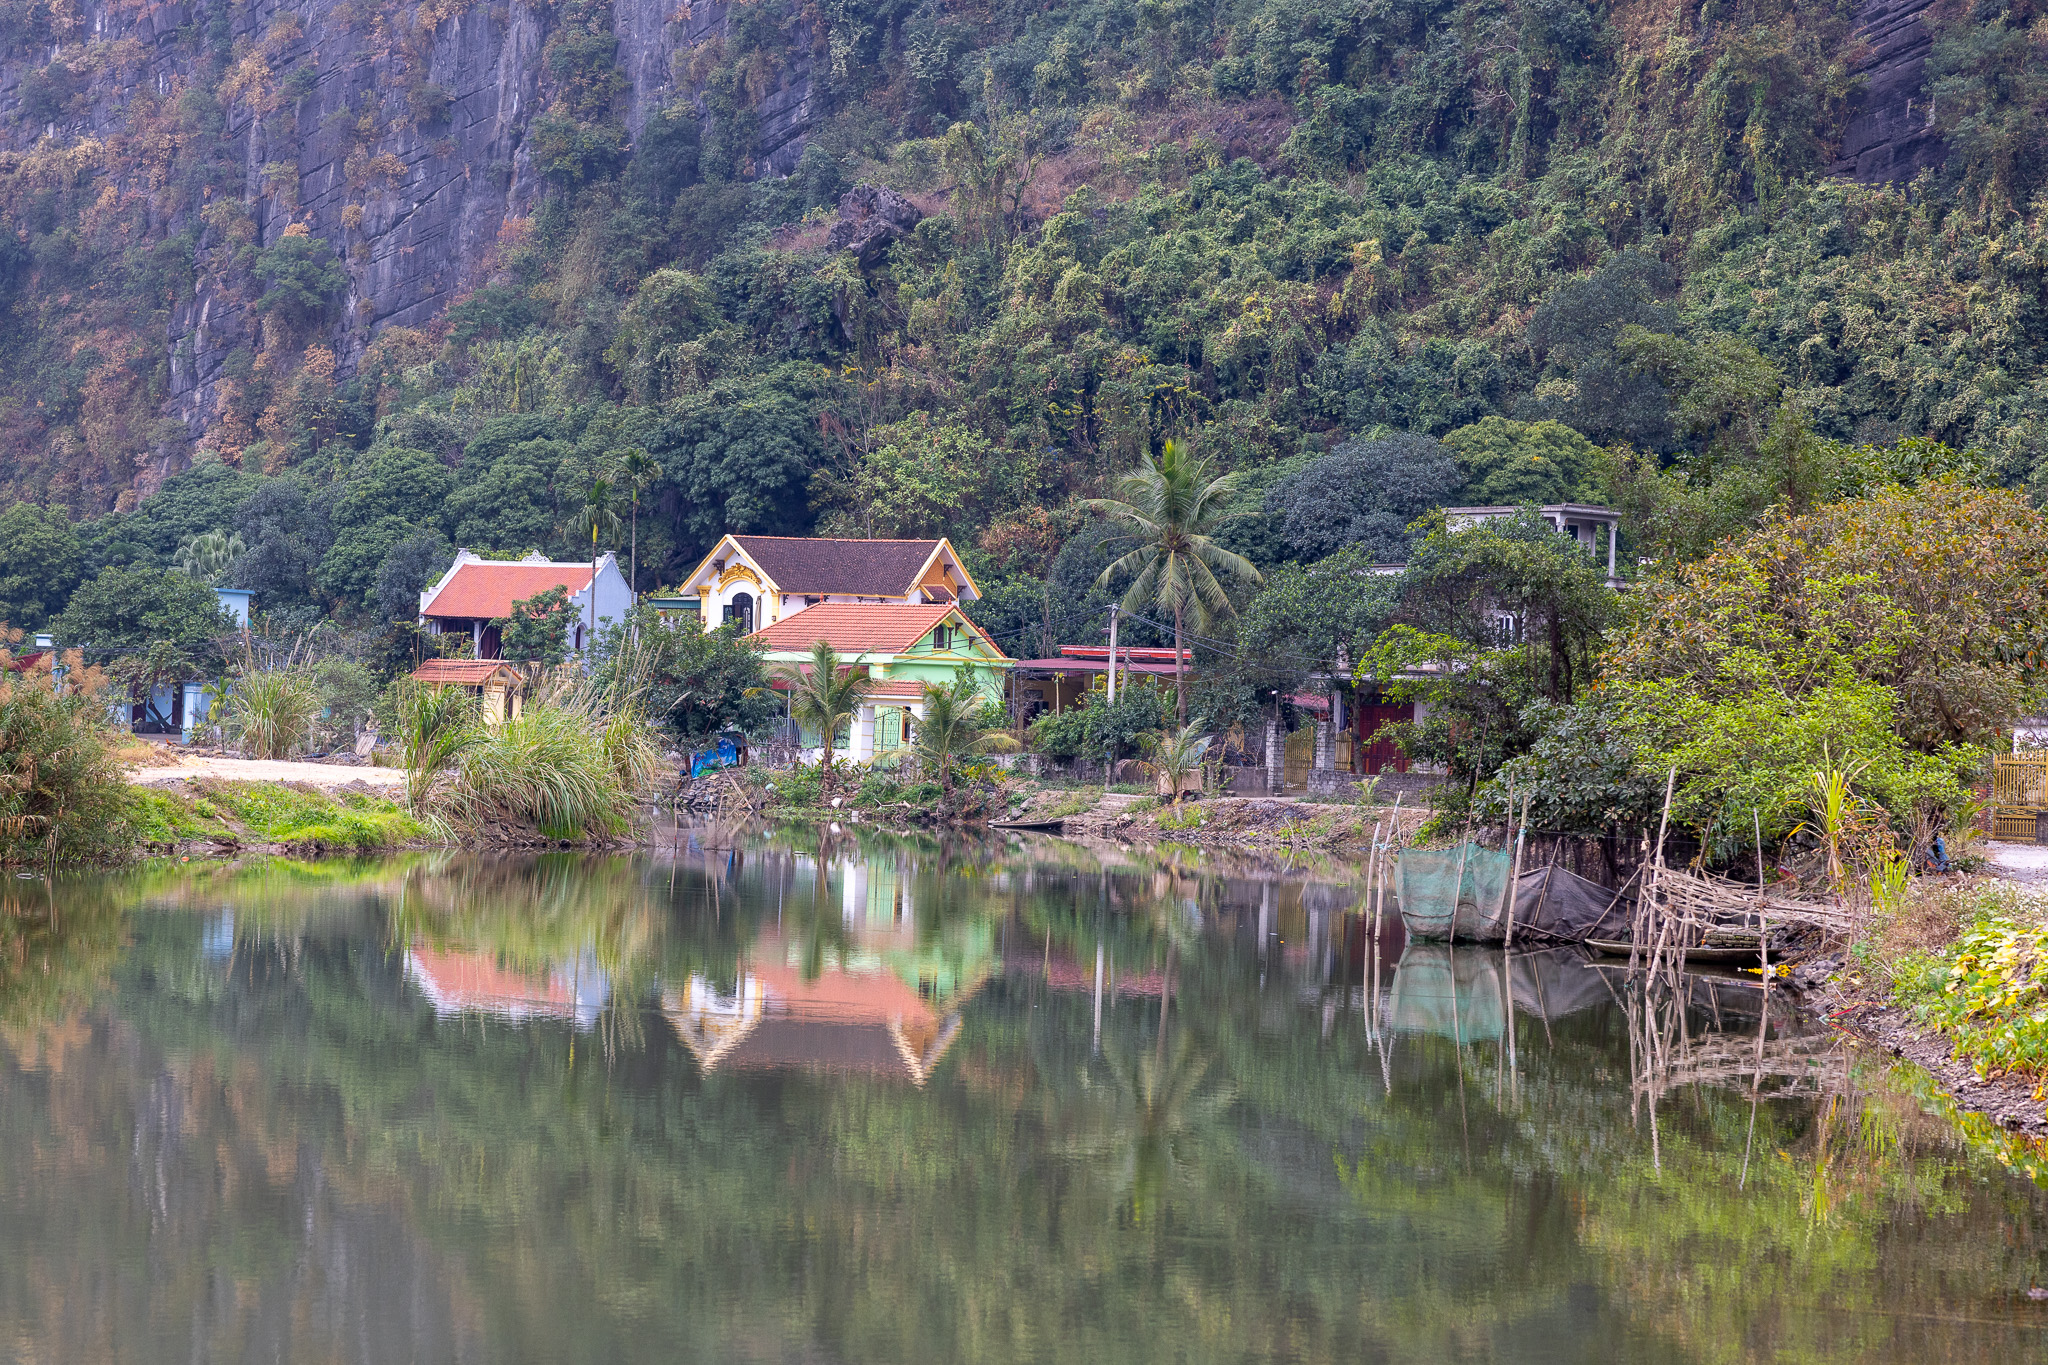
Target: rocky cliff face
(399,135)
(1891,135)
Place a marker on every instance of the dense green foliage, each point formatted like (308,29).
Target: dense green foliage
(1274,226)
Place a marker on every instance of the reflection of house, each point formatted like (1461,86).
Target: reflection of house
(493,682)
(760,580)
(901,649)
(476,593)
(456,982)
(885,1002)
(853,1016)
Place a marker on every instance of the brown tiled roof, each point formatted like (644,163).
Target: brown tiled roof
(487,591)
(855,628)
(461,672)
(851,568)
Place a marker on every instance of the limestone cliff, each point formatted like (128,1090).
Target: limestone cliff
(399,135)
(1891,135)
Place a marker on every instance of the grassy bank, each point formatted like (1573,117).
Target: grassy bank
(242,814)
(1971,962)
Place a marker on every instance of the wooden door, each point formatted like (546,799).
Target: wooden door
(1378,755)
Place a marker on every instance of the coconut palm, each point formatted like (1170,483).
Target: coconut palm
(823,695)
(640,470)
(949,730)
(596,516)
(1173,506)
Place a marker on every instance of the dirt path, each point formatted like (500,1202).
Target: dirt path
(267,770)
(2019,862)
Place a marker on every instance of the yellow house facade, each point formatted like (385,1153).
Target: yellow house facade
(762,580)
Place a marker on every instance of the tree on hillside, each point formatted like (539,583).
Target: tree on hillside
(39,558)
(126,611)
(823,696)
(1515,463)
(302,278)
(1363,494)
(406,570)
(1173,506)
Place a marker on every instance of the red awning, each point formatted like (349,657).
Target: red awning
(1092,666)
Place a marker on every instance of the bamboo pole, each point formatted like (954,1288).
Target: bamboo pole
(1515,876)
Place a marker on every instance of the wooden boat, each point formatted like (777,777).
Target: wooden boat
(1052,823)
(1699,952)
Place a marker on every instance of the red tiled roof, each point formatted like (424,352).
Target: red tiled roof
(487,591)
(461,672)
(22,663)
(852,568)
(858,628)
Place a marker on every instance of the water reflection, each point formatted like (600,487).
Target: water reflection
(848,1097)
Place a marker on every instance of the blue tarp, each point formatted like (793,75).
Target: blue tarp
(724,754)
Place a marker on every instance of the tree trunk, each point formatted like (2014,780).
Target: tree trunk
(1180,682)
(633,552)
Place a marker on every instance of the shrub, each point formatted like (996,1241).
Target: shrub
(558,770)
(270,713)
(61,791)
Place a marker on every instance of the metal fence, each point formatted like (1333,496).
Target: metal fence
(2019,798)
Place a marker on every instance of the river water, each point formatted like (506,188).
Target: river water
(840,1097)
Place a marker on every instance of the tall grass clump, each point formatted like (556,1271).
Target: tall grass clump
(435,724)
(270,713)
(549,771)
(62,796)
(569,766)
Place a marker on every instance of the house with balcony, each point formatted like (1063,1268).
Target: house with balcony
(477,593)
(761,580)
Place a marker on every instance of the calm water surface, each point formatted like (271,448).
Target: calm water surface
(847,1098)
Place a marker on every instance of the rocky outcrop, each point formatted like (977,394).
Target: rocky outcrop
(870,218)
(1890,137)
(403,144)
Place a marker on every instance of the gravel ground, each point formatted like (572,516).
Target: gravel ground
(2019,862)
(267,770)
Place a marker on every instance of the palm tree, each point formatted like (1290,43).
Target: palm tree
(1173,507)
(640,470)
(1178,754)
(209,555)
(824,698)
(595,516)
(949,731)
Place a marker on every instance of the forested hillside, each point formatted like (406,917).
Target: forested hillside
(361,283)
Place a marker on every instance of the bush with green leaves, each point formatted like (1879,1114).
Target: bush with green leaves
(61,788)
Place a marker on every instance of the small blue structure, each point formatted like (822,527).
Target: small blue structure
(236,602)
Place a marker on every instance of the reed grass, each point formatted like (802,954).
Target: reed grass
(270,713)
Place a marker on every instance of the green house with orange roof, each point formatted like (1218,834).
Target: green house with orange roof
(900,647)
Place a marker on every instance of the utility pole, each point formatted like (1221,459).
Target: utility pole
(1112,652)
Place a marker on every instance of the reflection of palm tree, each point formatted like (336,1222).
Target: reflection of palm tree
(1140,1132)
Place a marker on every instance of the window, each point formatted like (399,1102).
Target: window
(941,638)
(741,609)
